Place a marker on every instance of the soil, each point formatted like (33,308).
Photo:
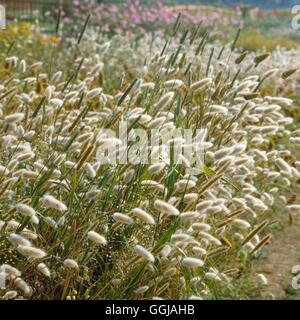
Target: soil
(278,260)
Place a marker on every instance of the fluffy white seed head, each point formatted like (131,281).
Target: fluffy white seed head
(43,269)
(262,279)
(164,101)
(123,218)
(96,238)
(191,262)
(166,208)
(10,270)
(31,252)
(22,285)
(25,210)
(11,294)
(144,253)
(201,84)
(13,118)
(93,93)
(173,84)
(143,215)
(71,264)
(51,202)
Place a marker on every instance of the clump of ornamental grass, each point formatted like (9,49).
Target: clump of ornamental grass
(85,227)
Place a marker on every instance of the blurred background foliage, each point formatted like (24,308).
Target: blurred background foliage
(266,24)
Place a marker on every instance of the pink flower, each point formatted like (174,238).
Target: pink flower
(113,8)
(67,20)
(118,30)
(124,23)
(105,28)
(142,31)
(136,19)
